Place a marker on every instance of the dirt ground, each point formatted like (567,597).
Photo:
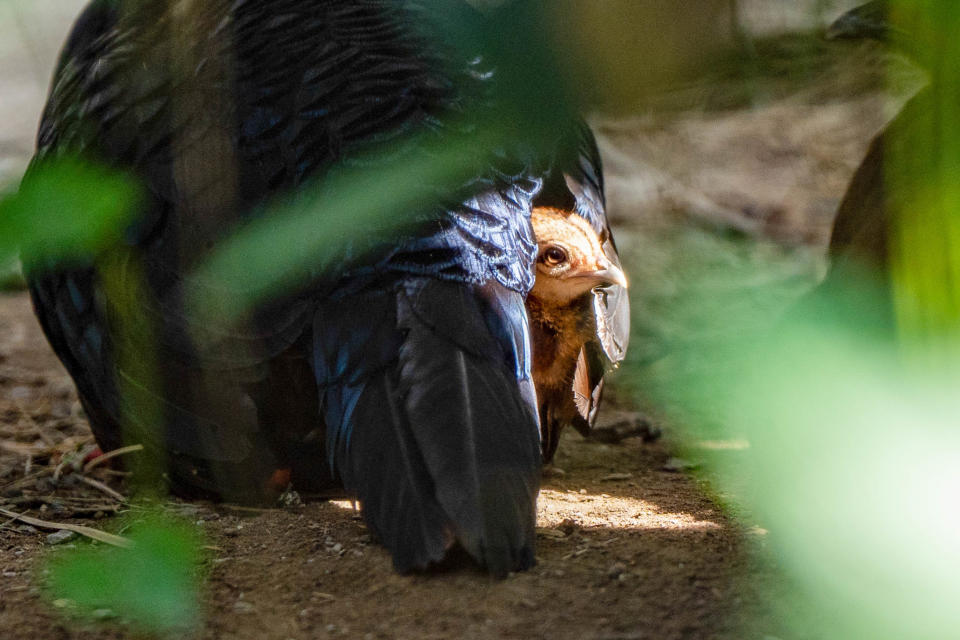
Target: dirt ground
(629,546)
(627,549)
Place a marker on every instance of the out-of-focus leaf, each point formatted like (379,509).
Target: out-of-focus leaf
(856,464)
(852,464)
(65,208)
(10,276)
(151,585)
(300,236)
(922,165)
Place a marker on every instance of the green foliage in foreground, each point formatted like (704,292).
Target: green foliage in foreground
(856,466)
(152,585)
(65,209)
(848,454)
(11,279)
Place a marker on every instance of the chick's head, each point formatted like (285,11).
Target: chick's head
(570,258)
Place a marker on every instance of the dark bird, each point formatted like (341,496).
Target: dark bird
(401,370)
(860,228)
(579,309)
(860,242)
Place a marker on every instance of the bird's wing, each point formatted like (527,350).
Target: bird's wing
(431,418)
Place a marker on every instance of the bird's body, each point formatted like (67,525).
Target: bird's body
(559,333)
(863,229)
(401,367)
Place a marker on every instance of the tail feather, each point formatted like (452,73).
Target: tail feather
(442,443)
(479,442)
(384,465)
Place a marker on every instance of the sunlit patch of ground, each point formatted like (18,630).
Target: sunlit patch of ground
(605,510)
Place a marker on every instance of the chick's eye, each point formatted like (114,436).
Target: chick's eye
(553,256)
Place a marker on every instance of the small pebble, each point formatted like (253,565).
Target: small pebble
(59,537)
(679,464)
(242,606)
(616,570)
(612,477)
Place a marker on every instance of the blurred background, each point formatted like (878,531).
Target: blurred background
(730,131)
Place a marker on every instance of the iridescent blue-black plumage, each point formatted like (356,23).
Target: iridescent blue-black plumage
(405,363)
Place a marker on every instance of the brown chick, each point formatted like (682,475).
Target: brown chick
(571,263)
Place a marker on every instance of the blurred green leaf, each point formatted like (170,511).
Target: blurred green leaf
(856,460)
(850,457)
(922,165)
(11,278)
(299,237)
(152,585)
(65,208)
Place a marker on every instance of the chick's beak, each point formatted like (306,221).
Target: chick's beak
(608,273)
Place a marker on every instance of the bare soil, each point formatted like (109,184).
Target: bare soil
(627,549)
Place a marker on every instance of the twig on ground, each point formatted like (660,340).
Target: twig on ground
(239,507)
(111,454)
(20,448)
(7,523)
(96,484)
(70,458)
(76,505)
(90,532)
(44,471)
